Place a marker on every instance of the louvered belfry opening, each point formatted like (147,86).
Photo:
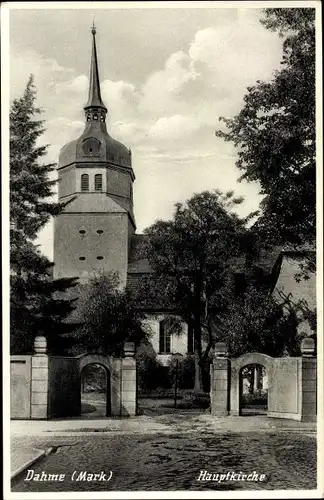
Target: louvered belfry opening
(98,182)
(84,182)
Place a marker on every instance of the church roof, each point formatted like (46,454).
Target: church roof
(138,262)
(139,268)
(111,151)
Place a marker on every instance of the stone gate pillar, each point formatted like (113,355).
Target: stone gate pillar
(128,382)
(308,389)
(39,380)
(219,381)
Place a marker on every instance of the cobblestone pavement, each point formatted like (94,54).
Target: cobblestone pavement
(173,461)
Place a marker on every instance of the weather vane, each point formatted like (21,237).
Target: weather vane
(93,29)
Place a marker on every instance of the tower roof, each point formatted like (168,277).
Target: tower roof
(95,145)
(94,98)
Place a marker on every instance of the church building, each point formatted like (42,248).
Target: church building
(97,230)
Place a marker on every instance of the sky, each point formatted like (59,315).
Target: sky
(167,76)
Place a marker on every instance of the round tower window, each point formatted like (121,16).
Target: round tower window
(82,231)
(91,146)
(99,231)
(81,258)
(100,257)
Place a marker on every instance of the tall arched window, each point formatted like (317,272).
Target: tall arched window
(165,338)
(98,182)
(84,182)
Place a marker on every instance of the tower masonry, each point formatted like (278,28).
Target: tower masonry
(95,180)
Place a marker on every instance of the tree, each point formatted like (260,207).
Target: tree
(39,306)
(30,186)
(257,322)
(192,258)
(34,308)
(107,316)
(275,134)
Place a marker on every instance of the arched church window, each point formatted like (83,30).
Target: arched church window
(102,118)
(98,182)
(84,182)
(88,117)
(164,338)
(95,116)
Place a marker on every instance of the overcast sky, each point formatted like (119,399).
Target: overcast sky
(167,75)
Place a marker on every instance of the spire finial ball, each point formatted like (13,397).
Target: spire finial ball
(93,29)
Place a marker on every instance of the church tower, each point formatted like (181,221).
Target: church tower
(94,231)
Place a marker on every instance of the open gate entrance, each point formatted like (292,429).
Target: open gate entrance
(253,390)
(95,391)
(245,384)
(256,383)
(52,386)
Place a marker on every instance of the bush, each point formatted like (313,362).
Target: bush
(151,374)
(158,393)
(259,398)
(191,400)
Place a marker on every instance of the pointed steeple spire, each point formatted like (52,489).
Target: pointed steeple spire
(94,99)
